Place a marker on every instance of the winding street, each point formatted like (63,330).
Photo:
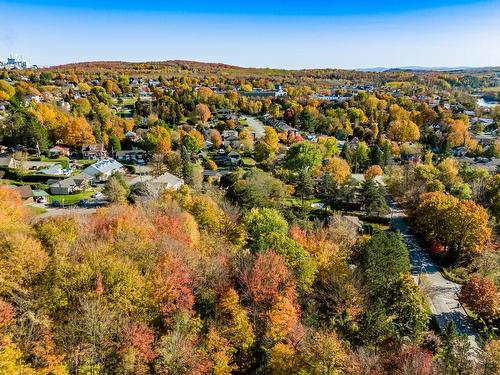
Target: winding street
(441,293)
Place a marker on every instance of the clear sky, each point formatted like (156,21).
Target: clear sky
(259,33)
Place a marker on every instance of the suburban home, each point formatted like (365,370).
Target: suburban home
(234,156)
(229,133)
(103,169)
(231,138)
(135,155)
(168,181)
(94,151)
(32,98)
(165,181)
(259,93)
(223,160)
(69,185)
(55,170)
(215,176)
(25,193)
(208,145)
(226,114)
(459,151)
(132,136)
(234,142)
(59,151)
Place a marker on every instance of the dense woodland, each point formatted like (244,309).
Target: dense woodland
(241,276)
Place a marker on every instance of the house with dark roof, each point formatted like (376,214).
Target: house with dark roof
(25,193)
(69,185)
(135,156)
(94,151)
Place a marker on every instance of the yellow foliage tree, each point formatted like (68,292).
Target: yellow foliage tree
(338,168)
(403,131)
(78,132)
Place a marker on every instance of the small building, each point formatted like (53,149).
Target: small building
(8,162)
(59,151)
(41,196)
(94,151)
(234,155)
(132,136)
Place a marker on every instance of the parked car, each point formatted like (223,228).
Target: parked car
(98,195)
(82,203)
(56,204)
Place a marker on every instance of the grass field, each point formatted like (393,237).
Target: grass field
(36,210)
(71,199)
(60,159)
(125,101)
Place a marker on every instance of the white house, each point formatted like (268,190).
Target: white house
(55,170)
(101,170)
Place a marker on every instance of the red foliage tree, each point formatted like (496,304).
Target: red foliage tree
(172,289)
(6,314)
(482,296)
(266,281)
(137,337)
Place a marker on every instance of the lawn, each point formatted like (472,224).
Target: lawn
(5,181)
(36,210)
(248,162)
(71,199)
(125,101)
(60,159)
(85,162)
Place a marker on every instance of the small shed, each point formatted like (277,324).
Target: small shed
(41,196)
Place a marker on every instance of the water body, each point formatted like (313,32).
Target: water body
(483,103)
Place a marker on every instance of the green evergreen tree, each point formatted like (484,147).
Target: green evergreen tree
(187,166)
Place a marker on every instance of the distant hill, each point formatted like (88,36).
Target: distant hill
(204,66)
(427,69)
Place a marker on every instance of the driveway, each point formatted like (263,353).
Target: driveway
(441,293)
(58,212)
(255,126)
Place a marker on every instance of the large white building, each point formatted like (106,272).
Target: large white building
(14,62)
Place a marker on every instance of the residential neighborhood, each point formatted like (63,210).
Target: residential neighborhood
(310,202)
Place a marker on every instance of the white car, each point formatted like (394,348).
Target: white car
(97,195)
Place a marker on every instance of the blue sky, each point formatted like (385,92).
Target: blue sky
(263,33)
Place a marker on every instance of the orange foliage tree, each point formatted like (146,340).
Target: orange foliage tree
(482,296)
(78,132)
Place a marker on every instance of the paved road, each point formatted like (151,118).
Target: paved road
(255,126)
(441,293)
